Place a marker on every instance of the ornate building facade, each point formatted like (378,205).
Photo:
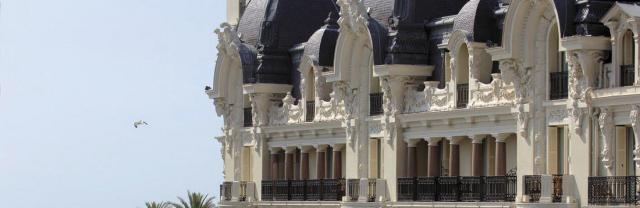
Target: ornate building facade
(430,103)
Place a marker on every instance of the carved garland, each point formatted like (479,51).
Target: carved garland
(635,124)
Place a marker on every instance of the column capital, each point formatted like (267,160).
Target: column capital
(290,150)
(305,149)
(412,142)
(275,150)
(477,139)
(320,147)
(501,137)
(337,147)
(455,140)
(433,141)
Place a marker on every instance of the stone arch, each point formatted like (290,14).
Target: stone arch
(523,24)
(228,71)
(354,47)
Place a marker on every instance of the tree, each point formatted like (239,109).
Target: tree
(158,205)
(195,200)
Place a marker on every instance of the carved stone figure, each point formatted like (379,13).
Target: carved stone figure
(606,129)
(634,116)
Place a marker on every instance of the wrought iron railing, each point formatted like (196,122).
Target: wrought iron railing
(426,188)
(313,190)
(558,85)
(303,190)
(557,189)
(267,191)
(354,189)
(453,189)
(533,187)
(332,189)
(226,189)
(448,188)
(297,190)
(248,117)
(627,75)
(281,190)
(311,111)
(462,93)
(614,190)
(499,188)
(375,104)
(406,189)
(471,188)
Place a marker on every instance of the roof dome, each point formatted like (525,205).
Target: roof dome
(477,17)
(322,44)
(251,21)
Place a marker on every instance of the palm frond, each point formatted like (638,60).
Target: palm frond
(158,205)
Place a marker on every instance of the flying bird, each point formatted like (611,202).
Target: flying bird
(139,123)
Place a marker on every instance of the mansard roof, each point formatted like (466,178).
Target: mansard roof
(269,28)
(479,20)
(322,44)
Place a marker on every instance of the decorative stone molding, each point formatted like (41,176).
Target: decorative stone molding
(497,93)
(353,15)
(634,116)
(228,52)
(288,113)
(606,124)
(556,116)
(520,77)
(260,108)
(228,41)
(430,99)
(577,92)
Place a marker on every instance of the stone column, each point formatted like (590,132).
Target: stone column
(337,161)
(304,163)
(476,154)
(274,163)
(288,163)
(412,170)
(433,159)
(454,156)
(501,154)
(320,158)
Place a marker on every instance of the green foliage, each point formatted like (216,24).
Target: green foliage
(158,205)
(195,200)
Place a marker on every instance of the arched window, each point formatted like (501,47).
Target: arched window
(310,95)
(462,76)
(557,66)
(247,111)
(375,96)
(627,71)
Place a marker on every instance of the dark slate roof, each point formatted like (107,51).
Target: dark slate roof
(582,17)
(380,10)
(478,18)
(322,44)
(269,28)
(249,25)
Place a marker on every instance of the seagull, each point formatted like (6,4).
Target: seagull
(139,123)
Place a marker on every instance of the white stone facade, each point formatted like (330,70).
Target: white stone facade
(580,136)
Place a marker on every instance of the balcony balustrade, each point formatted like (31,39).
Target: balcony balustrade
(615,190)
(353,189)
(248,117)
(375,104)
(462,92)
(303,190)
(533,187)
(454,189)
(311,111)
(238,191)
(558,85)
(627,75)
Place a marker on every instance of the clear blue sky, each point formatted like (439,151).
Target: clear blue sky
(76,74)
